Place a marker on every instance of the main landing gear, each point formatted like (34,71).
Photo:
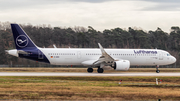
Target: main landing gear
(99,70)
(90,70)
(157,71)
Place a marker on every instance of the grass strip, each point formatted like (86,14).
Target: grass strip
(89,88)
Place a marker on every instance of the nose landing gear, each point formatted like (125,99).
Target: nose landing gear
(157,71)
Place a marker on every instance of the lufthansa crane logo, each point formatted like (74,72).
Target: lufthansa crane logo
(22,41)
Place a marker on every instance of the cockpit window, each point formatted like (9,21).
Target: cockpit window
(168,55)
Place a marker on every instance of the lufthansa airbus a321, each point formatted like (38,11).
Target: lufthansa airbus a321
(103,59)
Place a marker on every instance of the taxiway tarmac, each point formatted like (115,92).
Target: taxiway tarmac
(85,74)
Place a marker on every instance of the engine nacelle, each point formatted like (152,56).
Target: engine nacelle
(122,65)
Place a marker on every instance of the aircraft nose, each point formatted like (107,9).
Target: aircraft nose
(173,59)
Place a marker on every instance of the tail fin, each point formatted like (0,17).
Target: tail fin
(21,39)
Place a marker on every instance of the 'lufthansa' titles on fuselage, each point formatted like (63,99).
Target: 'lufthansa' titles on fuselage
(144,52)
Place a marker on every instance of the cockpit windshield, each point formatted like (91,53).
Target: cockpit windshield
(168,54)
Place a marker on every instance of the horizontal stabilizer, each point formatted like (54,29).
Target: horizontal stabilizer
(22,52)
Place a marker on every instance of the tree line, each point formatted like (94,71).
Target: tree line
(81,37)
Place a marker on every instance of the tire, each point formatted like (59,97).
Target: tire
(157,71)
(90,70)
(100,70)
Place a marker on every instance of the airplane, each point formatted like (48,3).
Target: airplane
(103,59)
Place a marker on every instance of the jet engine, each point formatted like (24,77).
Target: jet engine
(122,65)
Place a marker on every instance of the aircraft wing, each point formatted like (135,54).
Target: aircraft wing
(104,58)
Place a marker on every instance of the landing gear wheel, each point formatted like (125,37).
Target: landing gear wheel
(90,70)
(157,71)
(100,70)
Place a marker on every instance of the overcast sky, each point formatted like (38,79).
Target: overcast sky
(100,14)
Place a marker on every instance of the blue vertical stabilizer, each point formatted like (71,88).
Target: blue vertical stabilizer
(21,39)
(25,46)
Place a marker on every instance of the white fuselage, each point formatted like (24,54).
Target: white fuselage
(72,56)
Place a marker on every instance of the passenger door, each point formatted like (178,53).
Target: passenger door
(79,55)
